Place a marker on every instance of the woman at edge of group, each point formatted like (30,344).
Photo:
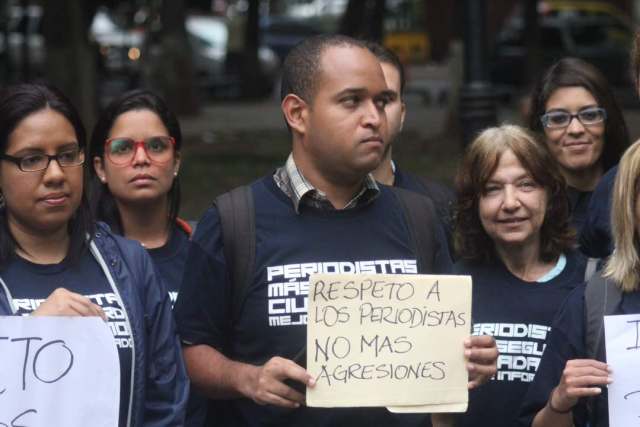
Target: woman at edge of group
(135,186)
(576,114)
(49,238)
(513,236)
(567,376)
(135,149)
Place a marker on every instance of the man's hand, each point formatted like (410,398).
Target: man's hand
(482,354)
(268,387)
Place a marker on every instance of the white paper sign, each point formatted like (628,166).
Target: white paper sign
(623,355)
(58,371)
(388,340)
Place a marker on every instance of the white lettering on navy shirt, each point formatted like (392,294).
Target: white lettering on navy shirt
(520,348)
(288,285)
(116,317)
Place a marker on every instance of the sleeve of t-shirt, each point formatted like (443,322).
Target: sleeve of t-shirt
(442,262)
(202,310)
(564,342)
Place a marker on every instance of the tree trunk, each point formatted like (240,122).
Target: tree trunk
(169,60)
(364,19)
(251,74)
(70,59)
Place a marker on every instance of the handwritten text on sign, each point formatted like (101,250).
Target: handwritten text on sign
(385,340)
(58,371)
(622,335)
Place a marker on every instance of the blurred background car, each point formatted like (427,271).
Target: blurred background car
(594,31)
(209,38)
(120,48)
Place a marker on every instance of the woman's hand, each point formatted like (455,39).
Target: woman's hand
(63,302)
(580,378)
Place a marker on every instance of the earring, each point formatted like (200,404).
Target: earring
(175,173)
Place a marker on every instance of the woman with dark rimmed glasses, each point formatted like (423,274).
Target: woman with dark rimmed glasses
(135,152)
(55,261)
(574,111)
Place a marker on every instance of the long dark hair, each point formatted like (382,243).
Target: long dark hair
(576,72)
(103,203)
(16,103)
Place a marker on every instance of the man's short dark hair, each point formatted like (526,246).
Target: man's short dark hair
(388,56)
(302,65)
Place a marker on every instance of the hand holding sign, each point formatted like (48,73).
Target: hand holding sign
(63,302)
(580,378)
(269,387)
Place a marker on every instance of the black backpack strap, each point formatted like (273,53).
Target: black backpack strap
(422,221)
(591,268)
(237,218)
(601,298)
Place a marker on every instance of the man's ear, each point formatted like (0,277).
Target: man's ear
(404,111)
(295,111)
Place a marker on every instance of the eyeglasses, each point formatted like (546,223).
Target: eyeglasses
(40,161)
(559,119)
(121,151)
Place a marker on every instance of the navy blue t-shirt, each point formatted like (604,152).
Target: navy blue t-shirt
(169,260)
(595,236)
(30,284)
(370,238)
(566,342)
(578,206)
(443,198)
(519,315)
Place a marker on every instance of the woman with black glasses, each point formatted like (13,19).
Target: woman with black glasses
(575,112)
(55,261)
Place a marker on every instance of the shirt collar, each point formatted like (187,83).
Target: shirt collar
(291,181)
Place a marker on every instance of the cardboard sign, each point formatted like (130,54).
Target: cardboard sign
(388,340)
(622,335)
(58,371)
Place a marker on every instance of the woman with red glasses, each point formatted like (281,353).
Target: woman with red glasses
(135,150)
(135,186)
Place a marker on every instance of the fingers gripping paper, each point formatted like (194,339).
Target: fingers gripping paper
(58,371)
(388,340)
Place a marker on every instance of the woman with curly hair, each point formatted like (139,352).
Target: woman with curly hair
(513,237)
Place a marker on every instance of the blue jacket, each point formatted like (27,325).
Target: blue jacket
(160,383)
(5,310)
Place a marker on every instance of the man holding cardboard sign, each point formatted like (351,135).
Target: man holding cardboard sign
(320,213)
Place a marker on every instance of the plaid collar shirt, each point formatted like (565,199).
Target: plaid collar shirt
(289,179)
